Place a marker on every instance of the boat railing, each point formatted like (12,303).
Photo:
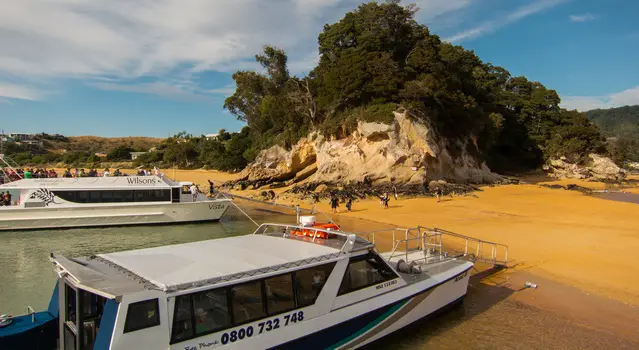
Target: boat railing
(6,319)
(436,244)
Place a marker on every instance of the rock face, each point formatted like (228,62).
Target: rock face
(406,152)
(599,168)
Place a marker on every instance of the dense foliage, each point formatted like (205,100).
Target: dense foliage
(378,58)
(621,125)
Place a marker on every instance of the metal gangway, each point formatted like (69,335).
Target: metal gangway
(436,244)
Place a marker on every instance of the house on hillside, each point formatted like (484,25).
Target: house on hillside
(101,154)
(135,155)
(210,137)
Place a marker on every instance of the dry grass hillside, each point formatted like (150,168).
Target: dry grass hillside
(94,144)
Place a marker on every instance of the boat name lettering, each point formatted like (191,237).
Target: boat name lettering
(460,277)
(216,206)
(386,284)
(262,327)
(201,345)
(138,181)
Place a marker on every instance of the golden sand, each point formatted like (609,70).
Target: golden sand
(566,236)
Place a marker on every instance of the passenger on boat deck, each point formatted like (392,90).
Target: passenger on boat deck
(6,198)
(106,172)
(28,174)
(156,171)
(76,173)
(52,173)
(82,173)
(117,172)
(2,198)
(193,190)
(67,173)
(211,188)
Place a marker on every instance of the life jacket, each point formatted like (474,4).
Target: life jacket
(318,234)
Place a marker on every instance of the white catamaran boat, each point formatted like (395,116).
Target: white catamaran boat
(283,287)
(104,201)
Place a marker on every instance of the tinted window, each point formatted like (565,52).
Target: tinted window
(364,272)
(117,196)
(211,311)
(279,294)
(141,315)
(247,302)
(309,283)
(182,322)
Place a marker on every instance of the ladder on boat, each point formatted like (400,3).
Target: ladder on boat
(437,244)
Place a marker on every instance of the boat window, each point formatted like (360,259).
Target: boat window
(309,283)
(247,302)
(69,338)
(115,196)
(182,320)
(211,311)
(279,294)
(364,272)
(71,297)
(141,315)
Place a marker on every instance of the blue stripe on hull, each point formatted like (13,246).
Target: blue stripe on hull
(342,333)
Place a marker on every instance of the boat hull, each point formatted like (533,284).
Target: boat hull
(374,325)
(111,215)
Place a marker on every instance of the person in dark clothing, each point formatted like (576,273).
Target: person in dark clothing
(67,173)
(211,187)
(7,197)
(349,205)
(335,204)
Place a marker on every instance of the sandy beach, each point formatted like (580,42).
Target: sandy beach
(565,236)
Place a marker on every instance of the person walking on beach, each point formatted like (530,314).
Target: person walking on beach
(438,193)
(386,200)
(334,204)
(395,192)
(349,205)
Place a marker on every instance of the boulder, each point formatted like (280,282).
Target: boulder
(599,168)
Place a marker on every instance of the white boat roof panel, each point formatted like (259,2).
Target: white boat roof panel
(89,183)
(190,263)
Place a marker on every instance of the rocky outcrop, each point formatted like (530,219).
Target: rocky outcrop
(406,152)
(598,168)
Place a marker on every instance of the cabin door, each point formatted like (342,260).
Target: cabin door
(82,315)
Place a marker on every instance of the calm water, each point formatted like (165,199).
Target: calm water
(486,320)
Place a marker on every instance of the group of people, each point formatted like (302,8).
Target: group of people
(334,201)
(30,173)
(5,198)
(9,175)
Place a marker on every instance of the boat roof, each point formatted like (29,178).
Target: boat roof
(189,265)
(92,183)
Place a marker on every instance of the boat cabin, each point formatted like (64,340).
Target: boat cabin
(231,291)
(84,191)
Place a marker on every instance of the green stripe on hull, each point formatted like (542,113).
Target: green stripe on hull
(369,326)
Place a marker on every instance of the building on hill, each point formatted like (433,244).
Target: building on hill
(101,155)
(135,155)
(210,136)
(21,136)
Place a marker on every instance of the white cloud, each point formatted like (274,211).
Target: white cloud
(13,91)
(493,25)
(581,18)
(627,97)
(172,91)
(226,90)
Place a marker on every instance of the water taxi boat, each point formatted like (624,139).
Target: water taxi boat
(104,201)
(282,287)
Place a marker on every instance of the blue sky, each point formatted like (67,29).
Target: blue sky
(154,68)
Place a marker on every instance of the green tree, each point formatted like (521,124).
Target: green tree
(120,153)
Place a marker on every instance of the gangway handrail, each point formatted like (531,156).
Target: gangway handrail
(431,241)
